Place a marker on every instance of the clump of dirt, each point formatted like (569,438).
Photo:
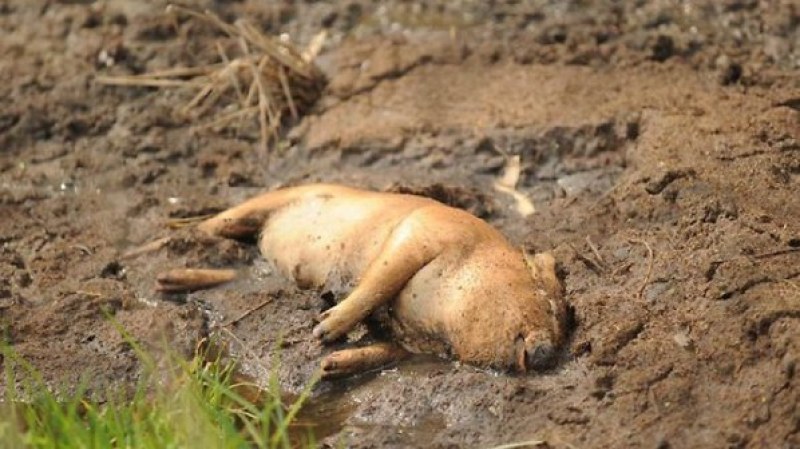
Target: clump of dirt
(659,142)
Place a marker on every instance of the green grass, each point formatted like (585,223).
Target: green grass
(190,404)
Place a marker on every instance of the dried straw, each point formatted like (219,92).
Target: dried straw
(269,82)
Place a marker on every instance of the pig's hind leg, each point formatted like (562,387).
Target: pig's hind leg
(247,219)
(239,222)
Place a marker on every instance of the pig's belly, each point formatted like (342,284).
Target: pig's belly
(418,315)
(327,242)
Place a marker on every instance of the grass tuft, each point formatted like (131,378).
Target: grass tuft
(187,404)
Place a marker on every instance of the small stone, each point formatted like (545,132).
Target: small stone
(683,340)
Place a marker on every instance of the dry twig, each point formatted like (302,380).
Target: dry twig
(589,262)
(178,223)
(246,313)
(596,252)
(649,265)
(148,247)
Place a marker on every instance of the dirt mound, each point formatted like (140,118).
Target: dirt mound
(659,143)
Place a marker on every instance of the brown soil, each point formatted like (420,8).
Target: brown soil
(660,144)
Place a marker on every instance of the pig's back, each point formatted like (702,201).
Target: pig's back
(325,241)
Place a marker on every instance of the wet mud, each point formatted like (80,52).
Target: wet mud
(659,143)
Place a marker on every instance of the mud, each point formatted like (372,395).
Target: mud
(659,144)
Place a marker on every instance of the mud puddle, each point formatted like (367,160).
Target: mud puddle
(334,406)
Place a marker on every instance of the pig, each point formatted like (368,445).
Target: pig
(447,282)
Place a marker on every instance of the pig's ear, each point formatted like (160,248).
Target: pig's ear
(543,271)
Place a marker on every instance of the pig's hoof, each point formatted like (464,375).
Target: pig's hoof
(333,367)
(333,325)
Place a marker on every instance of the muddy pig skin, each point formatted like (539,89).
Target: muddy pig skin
(452,284)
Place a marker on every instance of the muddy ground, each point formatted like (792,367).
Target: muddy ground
(659,143)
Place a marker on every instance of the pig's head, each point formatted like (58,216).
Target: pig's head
(511,314)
